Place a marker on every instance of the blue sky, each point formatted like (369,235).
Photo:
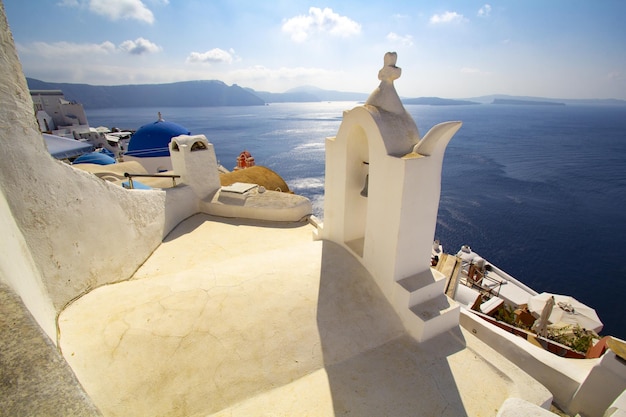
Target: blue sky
(453,49)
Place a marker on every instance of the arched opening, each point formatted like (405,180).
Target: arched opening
(357,175)
(198,146)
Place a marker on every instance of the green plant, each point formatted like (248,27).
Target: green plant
(573,336)
(508,315)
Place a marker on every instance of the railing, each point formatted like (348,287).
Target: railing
(132,186)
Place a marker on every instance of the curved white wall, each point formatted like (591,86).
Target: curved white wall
(18,269)
(70,231)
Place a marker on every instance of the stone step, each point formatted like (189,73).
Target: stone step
(424,308)
(420,287)
(430,318)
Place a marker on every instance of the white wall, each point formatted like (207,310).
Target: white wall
(70,231)
(562,376)
(18,270)
(390,231)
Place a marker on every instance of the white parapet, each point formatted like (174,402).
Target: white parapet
(193,158)
(249,201)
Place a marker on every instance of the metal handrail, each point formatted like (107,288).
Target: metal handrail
(132,186)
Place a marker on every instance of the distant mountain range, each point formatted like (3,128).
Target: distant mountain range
(436,101)
(181,94)
(309,94)
(216,93)
(527,100)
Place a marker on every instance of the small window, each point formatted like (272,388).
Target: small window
(175,146)
(198,146)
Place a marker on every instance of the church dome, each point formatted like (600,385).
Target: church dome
(256,175)
(152,140)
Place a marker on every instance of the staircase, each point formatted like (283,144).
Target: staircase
(423,305)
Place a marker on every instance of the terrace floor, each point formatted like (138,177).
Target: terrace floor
(240,318)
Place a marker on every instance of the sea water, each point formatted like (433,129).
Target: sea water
(540,191)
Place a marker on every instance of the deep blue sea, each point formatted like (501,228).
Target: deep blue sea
(539,191)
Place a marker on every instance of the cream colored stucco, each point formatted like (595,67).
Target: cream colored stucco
(245,317)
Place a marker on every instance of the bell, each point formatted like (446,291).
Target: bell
(364,190)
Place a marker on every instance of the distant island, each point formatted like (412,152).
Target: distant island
(436,101)
(205,94)
(308,94)
(525,102)
(209,93)
(212,93)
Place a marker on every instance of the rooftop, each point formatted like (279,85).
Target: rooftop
(242,317)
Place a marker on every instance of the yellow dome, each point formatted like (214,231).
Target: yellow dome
(256,175)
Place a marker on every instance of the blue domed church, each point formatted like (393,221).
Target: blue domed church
(149,145)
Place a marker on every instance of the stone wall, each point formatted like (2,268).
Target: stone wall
(36,380)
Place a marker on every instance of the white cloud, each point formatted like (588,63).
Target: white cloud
(122,9)
(447,17)
(69,3)
(214,56)
(616,76)
(139,46)
(406,40)
(318,20)
(65,49)
(115,9)
(484,11)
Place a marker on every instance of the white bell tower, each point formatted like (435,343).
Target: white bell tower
(381,200)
